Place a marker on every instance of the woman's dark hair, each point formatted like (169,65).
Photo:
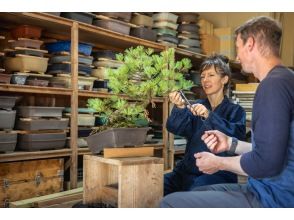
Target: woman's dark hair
(220,64)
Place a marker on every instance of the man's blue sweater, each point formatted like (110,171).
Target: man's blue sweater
(270,164)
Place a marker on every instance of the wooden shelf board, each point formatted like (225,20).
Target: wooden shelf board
(47,22)
(95,94)
(34,89)
(31,155)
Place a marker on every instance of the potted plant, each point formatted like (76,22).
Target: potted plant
(143,76)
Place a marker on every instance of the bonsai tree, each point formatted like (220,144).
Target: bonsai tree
(143,76)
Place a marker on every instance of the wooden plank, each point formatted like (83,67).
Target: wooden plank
(96,176)
(124,160)
(17,156)
(34,89)
(33,201)
(128,152)
(109,195)
(140,186)
(74,105)
(247,87)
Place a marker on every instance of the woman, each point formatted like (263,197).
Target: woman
(215,112)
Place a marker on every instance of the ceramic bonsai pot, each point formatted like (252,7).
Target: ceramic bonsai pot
(165,16)
(42,124)
(84,17)
(117,137)
(125,16)
(8,141)
(42,141)
(39,111)
(144,33)
(113,25)
(142,20)
(7,102)
(26,31)
(7,118)
(26,64)
(26,43)
(61,46)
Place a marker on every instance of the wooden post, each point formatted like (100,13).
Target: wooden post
(74,105)
(123,182)
(165,133)
(171,150)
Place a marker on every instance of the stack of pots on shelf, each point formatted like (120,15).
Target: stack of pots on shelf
(8,137)
(188,32)
(143,26)
(4,78)
(85,17)
(60,65)
(41,128)
(86,121)
(103,59)
(165,25)
(114,21)
(24,58)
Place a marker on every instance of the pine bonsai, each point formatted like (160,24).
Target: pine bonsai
(143,76)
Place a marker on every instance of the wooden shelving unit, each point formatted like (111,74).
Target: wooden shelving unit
(66,29)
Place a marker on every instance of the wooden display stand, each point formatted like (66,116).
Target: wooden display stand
(123,182)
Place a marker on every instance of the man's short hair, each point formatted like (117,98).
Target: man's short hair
(266,31)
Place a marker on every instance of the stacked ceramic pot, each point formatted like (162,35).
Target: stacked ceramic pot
(8,137)
(188,32)
(165,25)
(86,121)
(60,65)
(143,26)
(85,17)
(114,21)
(4,78)
(103,60)
(41,128)
(25,58)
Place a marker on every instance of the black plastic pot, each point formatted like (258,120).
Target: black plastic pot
(117,137)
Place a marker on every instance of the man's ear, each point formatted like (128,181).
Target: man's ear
(250,43)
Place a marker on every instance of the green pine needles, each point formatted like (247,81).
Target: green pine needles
(143,76)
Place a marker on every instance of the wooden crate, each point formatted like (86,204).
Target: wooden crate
(27,179)
(123,182)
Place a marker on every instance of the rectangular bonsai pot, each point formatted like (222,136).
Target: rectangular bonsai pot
(79,16)
(42,124)
(117,137)
(42,141)
(39,111)
(7,102)
(8,141)
(7,119)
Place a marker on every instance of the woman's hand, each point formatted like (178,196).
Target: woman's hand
(175,98)
(199,110)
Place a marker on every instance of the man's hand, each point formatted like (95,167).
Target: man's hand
(199,110)
(207,162)
(175,98)
(216,141)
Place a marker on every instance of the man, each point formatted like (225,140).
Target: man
(269,160)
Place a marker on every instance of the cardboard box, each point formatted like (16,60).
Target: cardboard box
(210,44)
(227,41)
